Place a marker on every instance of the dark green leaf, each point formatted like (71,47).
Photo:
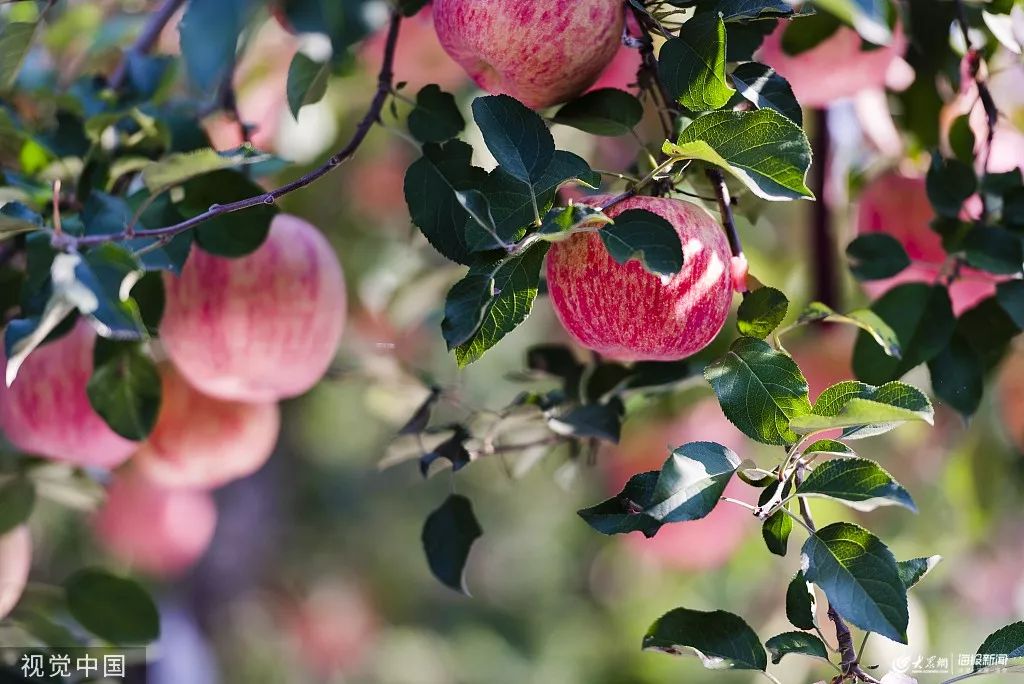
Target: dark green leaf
(16,218)
(113,608)
(807,33)
(307,82)
(17,499)
(1008,642)
(638,233)
(829,447)
(606,111)
(961,139)
(921,316)
(949,183)
(766,89)
(15,41)
(776,531)
(452,449)
(858,482)
(229,235)
(795,642)
(760,390)
(989,329)
(863,410)
(596,421)
(958,376)
(692,66)
(740,11)
(209,34)
(124,388)
(515,135)
(436,117)
(179,167)
(762,148)
(995,250)
(868,17)
(876,256)
(448,536)
(913,571)
(859,577)
(761,311)
(1010,295)
(721,640)
(800,602)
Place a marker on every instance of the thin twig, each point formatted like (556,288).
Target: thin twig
(717,179)
(371,117)
(146,40)
(56,208)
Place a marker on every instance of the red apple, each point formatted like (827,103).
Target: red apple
(898,205)
(262,327)
(157,530)
(627,313)
(15,562)
(700,544)
(47,411)
(837,68)
(201,442)
(540,52)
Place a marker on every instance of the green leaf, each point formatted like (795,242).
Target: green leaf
(868,17)
(234,234)
(995,250)
(762,86)
(721,640)
(209,35)
(178,167)
(958,376)
(642,234)
(913,571)
(688,487)
(591,421)
(1008,642)
(515,135)
(515,284)
(989,330)
(761,311)
(431,187)
(448,536)
(113,608)
(1010,295)
(808,32)
(876,256)
(307,82)
(560,222)
(859,577)
(961,139)
(606,111)
(776,531)
(124,388)
(16,218)
(949,183)
(860,483)
(760,390)
(692,66)
(829,447)
(17,499)
(796,642)
(863,410)
(436,117)
(764,149)
(922,318)
(15,41)
(800,602)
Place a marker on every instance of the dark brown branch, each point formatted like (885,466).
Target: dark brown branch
(825,277)
(647,75)
(146,40)
(717,179)
(372,116)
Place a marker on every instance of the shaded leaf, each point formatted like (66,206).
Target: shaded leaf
(17,499)
(605,111)
(766,89)
(721,640)
(913,571)
(800,602)
(307,82)
(113,608)
(692,66)
(448,536)
(876,256)
(795,642)
(124,388)
(515,135)
(436,117)
(642,234)
(452,449)
(1008,642)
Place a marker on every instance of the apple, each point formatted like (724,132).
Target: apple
(1011,399)
(627,313)
(898,206)
(158,530)
(332,629)
(837,68)
(46,411)
(699,544)
(201,442)
(15,562)
(539,52)
(262,327)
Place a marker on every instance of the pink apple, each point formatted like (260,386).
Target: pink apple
(898,206)
(157,530)
(262,327)
(1011,399)
(201,442)
(419,58)
(700,544)
(835,69)
(332,629)
(627,313)
(621,71)
(15,562)
(539,52)
(46,411)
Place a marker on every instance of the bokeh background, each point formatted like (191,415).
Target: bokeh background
(316,572)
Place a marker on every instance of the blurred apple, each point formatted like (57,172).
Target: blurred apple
(1011,398)
(898,205)
(332,629)
(46,411)
(419,59)
(373,180)
(621,71)
(201,442)
(837,68)
(701,544)
(15,562)
(157,530)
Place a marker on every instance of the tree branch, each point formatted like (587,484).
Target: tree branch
(823,250)
(717,179)
(146,40)
(372,116)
